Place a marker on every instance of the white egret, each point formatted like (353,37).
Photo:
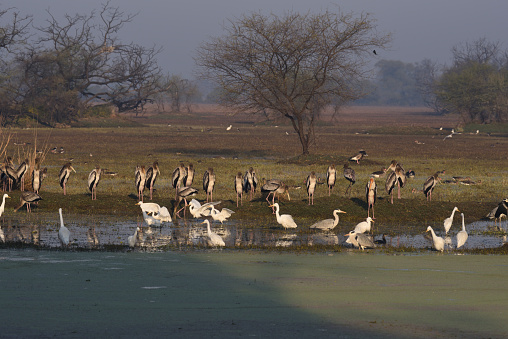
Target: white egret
(2,235)
(437,242)
(222,215)
(364,226)
(328,224)
(197,210)
(132,239)
(285,220)
(2,207)
(63,232)
(448,221)
(149,207)
(64,174)
(462,235)
(150,220)
(163,215)
(213,238)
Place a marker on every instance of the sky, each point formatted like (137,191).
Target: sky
(420,29)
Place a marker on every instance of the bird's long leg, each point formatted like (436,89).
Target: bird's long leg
(398,189)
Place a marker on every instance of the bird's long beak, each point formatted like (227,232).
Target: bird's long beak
(288,195)
(72,168)
(138,203)
(271,205)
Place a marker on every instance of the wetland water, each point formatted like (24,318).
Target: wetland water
(227,293)
(171,284)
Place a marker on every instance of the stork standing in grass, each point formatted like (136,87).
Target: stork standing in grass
(239,188)
(93,181)
(350,176)
(151,176)
(395,178)
(331,176)
(311,186)
(250,182)
(178,174)
(183,193)
(430,183)
(359,156)
(64,175)
(27,198)
(20,173)
(189,175)
(140,181)
(209,183)
(371,195)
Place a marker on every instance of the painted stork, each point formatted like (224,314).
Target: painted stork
(182,193)
(331,177)
(178,174)
(151,176)
(140,181)
(20,173)
(359,156)
(27,198)
(189,175)
(430,183)
(311,182)
(350,176)
(239,188)
(93,181)
(250,182)
(64,174)
(209,183)
(371,195)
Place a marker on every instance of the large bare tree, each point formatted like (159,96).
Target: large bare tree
(291,66)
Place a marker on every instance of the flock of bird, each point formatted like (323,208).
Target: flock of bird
(183,177)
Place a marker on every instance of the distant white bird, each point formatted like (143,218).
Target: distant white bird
(155,211)
(213,238)
(63,232)
(150,220)
(328,224)
(462,235)
(364,226)
(437,242)
(2,207)
(2,235)
(448,221)
(149,207)
(285,220)
(229,128)
(222,215)
(197,210)
(132,239)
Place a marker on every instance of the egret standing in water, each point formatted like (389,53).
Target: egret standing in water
(132,239)
(462,235)
(437,242)
(285,220)
(328,224)
(63,232)
(448,221)
(214,239)
(2,207)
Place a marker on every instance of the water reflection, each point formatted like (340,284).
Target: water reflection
(97,234)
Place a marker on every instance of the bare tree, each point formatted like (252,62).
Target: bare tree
(291,66)
(427,73)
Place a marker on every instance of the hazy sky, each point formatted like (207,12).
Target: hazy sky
(420,28)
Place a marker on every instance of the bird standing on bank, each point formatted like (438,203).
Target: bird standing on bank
(396,178)
(20,173)
(371,195)
(359,156)
(64,174)
(189,175)
(328,224)
(178,175)
(364,226)
(221,216)
(250,182)
(239,188)
(350,176)
(462,235)
(331,177)
(311,182)
(2,207)
(430,183)
(27,198)
(93,181)
(182,193)
(132,239)
(151,176)
(500,211)
(285,220)
(140,181)
(209,183)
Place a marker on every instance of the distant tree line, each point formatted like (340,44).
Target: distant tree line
(474,86)
(55,73)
